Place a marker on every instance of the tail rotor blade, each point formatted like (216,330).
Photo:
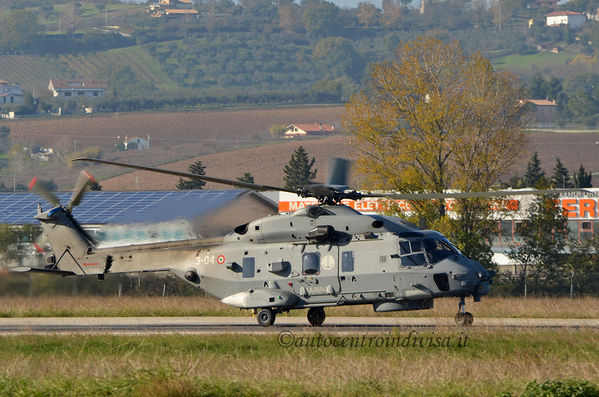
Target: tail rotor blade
(337,171)
(38,187)
(84,181)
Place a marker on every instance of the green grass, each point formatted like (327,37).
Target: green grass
(533,62)
(492,362)
(199,306)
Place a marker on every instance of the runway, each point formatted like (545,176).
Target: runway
(245,325)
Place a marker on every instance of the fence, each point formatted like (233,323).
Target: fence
(157,284)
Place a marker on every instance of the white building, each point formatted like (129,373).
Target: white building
(10,93)
(573,19)
(308,129)
(140,143)
(77,88)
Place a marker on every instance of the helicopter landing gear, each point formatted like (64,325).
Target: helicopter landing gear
(463,318)
(316,316)
(266,317)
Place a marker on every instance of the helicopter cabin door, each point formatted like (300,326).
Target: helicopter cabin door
(368,270)
(318,268)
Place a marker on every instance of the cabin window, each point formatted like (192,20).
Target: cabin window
(248,266)
(311,263)
(347,261)
(411,253)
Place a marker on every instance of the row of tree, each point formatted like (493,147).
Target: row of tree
(535,176)
(577,97)
(297,174)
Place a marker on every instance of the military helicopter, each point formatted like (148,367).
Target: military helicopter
(319,256)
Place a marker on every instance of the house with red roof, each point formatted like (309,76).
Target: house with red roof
(77,87)
(308,129)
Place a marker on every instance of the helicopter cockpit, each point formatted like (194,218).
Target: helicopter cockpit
(427,251)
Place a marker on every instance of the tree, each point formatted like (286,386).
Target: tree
(554,88)
(246,177)
(195,168)
(95,185)
(12,239)
(583,96)
(299,173)
(277,130)
(29,105)
(368,14)
(561,177)
(336,56)
(583,263)
(320,17)
(392,13)
(290,18)
(433,119)
(582,178)
(543,233)
(20,27)
(534,172)
(537,87)
(4,139)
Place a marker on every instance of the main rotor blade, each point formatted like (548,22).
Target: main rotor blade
(496,193)
(38,187)
(83,183)
(230,182)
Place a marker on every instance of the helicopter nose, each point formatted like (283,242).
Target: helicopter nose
(472,278)
(483,279)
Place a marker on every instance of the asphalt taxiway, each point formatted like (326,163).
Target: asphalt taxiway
(232,325)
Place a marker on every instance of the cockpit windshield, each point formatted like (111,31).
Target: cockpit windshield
(424,252)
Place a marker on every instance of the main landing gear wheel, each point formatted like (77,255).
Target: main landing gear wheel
(316,316)
(463,318)
(266,317)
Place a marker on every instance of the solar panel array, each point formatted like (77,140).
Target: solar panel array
(98,207)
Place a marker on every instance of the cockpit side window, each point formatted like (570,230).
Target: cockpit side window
(437,250)
(404,247)
(416,246)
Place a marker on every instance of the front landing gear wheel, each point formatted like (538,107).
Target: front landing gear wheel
(266,317)
(464,319)
(316,316)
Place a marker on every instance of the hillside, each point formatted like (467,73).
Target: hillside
(229,143)
(34,72)
(266,163)
(174,136)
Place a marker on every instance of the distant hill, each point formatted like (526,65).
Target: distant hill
(34,72)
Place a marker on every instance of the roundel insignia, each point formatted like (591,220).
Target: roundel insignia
(328,262)
(220,260)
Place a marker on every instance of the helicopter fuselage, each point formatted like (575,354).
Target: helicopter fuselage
(316,257)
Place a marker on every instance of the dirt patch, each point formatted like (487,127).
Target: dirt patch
(265,163)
